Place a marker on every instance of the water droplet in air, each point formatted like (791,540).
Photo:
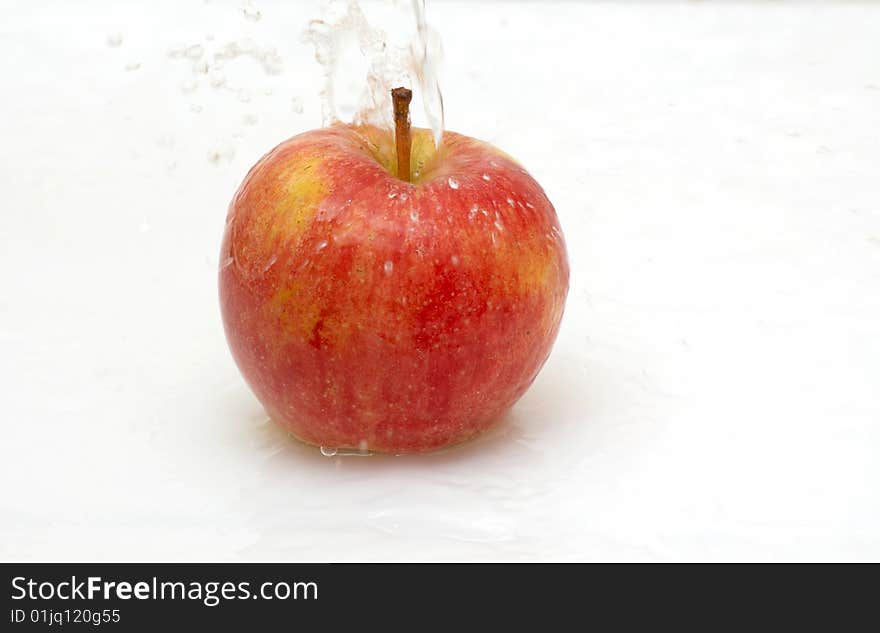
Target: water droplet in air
(194,52)
(132,66)
(389,266)
(189,86)
(296,104)
(216,78)
(453,183)
(250,119)
(250,12)
(222,152)
(114,40)
(328,452)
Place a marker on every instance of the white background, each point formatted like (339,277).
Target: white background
(713,393)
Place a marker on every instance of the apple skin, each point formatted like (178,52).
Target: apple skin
(372,313)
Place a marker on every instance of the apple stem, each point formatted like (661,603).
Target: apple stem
(401,98)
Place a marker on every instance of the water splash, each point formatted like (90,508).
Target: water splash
(362,64)
(428,55)
(210,59)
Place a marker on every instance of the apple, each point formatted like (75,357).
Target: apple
(382,294)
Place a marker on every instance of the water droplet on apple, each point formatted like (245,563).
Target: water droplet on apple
(328,452)
(473,213)
(414,216)
(510,201)
(486,177)
(498,225)
(321,246)
(227,262)
(270,262)
(389,266)
(362,445)
(453,183)
(392,195)
(455,260)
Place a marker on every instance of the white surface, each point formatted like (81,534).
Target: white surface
(714,390)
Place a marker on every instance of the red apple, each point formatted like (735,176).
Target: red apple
(378,313)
